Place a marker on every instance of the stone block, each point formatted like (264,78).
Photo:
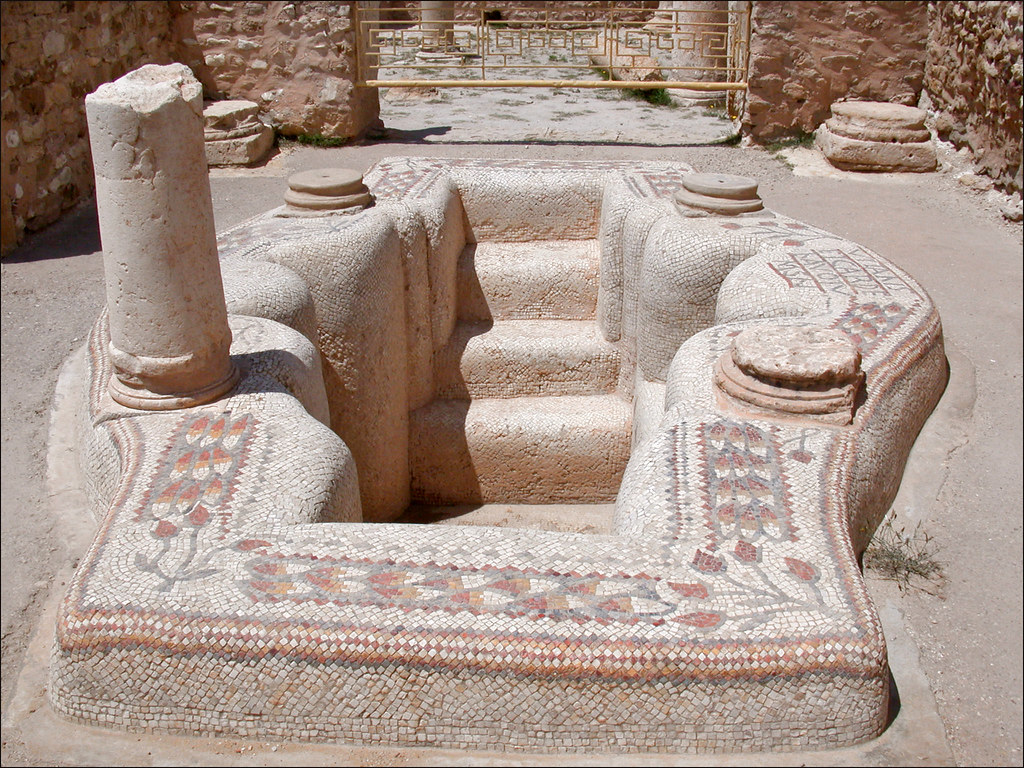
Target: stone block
(245,150)
(851,130)
(857,155)
(234,133)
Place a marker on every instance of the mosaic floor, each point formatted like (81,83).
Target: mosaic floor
(230,587)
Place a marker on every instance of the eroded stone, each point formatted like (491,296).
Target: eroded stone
(721,193)
(879,113)
(327,189)
(169,336)
(856,155)
(802,357)
(234,133)
(852,130)
(876,136)
(809,372)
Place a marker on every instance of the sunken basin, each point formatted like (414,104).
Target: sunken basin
(744,387)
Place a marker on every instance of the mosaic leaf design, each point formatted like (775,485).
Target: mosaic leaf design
(209,452)
(559,596)
(745,483)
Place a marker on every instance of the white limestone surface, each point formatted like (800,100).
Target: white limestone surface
(168,322)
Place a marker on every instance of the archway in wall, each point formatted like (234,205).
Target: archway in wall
(565,72)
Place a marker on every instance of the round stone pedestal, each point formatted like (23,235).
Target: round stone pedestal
(327,189)
(810,373)
(876,136)
(718,193)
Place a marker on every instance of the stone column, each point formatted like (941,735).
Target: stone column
(699,28)
(169,335)
(437,22)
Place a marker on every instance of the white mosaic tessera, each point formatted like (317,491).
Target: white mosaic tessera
(517,332)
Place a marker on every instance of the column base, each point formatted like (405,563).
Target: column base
(145,400)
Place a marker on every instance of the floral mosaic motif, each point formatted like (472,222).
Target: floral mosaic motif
(663,184)
(868,323)
(746,490)
(404,182)
(602,598)
(747,516)
(758,587)
(201,463)
(833,270)
(771,228)
(799,452)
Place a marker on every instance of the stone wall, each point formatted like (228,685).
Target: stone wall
(295,59)
(518,10)
(806,55)
(973,78)
(54,53)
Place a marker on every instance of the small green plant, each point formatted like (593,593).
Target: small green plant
(659,97)
(732,140)
(901,557)
(319,140)
(800,139)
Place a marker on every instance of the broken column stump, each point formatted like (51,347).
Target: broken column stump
(234,134)
(169,335)
(876,136)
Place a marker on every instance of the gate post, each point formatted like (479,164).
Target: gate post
(706,22)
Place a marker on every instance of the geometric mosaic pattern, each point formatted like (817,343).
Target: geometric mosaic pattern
(726,610)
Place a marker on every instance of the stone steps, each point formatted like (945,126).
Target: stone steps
(554,279)
(525,410)
(527,450)
(516,358)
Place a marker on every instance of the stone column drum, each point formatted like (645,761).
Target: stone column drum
(169,333)
(437,21)
(700,33)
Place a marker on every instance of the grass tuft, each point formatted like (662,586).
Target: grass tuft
(901,557)
(659,97)
(319,140)
(800,139)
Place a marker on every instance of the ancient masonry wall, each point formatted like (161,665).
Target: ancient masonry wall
(53,55)
(973,78)
(804,56)
(517,10)
(296,60)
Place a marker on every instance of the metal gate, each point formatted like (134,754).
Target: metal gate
(555,45)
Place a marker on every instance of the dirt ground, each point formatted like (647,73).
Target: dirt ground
(962,492)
